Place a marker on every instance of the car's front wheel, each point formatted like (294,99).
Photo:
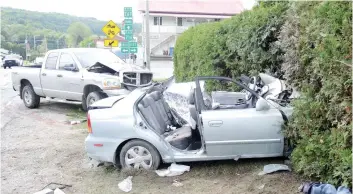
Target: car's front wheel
(139,154)
(93,97)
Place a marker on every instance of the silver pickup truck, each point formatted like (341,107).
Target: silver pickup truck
(78,74)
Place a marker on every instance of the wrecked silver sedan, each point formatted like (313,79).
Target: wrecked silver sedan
(240,119)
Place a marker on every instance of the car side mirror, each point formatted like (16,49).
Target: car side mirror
(262,105)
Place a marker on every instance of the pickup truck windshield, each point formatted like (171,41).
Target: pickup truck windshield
(89,58)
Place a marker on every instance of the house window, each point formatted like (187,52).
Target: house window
(157,21)
(180,21)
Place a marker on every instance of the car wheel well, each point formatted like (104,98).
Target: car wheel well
(90,88)
(120,147)
(23,82)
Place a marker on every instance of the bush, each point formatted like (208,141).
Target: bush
(242,45)
(320,67)
(307,43)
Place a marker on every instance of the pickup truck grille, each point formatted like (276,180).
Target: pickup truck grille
(137,79)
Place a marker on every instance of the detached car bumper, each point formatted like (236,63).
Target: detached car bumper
(102,149)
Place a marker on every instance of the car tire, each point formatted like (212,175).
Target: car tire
(93,97)
(84,103)
(153,161)
(29,97)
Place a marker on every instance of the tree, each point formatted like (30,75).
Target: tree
(88,42)
(77,32)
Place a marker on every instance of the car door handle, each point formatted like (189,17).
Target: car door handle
(15,73)
(215,123)
(59,75)
(44,74)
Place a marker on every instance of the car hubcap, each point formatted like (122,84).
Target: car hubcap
(27,97)
(91,101)
(138,157)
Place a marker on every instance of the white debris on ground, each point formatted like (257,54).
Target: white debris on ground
(45,191)
(126,184)
(58,191)
(77,122)
(176,183)
(270,168)
(173,170)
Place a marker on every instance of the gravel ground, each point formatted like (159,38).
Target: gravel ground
(39,147)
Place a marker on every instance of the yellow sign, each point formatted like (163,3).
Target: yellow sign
(111,29)
(111,43)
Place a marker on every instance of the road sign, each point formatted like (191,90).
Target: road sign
(128,32)
(127,26)
(128,21)
(111,43)
(128,12)
(128,37)
(133,50)
(132,44)
(111,29)
(125,50)
(124,44)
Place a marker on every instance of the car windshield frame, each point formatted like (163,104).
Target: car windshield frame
(89,58)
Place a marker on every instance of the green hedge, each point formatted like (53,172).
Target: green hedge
(308,44)
(321,124)
(243,44)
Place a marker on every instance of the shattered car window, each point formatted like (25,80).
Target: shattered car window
(90,57)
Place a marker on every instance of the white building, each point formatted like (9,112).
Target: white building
(168,19)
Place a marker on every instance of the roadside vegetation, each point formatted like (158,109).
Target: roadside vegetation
(309,45)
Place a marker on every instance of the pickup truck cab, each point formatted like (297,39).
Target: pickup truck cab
(78,74)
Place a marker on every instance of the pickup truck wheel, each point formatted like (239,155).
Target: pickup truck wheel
(29,97)
(93,97)
(139,155)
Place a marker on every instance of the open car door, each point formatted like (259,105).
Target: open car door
(239,130)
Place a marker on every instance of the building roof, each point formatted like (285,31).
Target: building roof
(196,7)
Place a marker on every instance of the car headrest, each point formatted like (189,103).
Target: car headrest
(156,95)
(144,102)
(191,98)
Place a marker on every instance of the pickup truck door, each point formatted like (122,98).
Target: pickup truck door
(48,76)
(70,78)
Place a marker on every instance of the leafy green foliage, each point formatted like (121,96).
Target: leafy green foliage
(307,43)
(241,45)
(77,32)
(321,123)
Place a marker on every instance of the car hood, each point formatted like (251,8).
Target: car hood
(122,67)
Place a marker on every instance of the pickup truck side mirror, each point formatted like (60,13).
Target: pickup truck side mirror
(71,67)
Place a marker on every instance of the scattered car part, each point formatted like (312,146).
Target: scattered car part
(173,170)
(126,184)
(270,168)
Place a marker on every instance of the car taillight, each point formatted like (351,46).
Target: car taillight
(89,126)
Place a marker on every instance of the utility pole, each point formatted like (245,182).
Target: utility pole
(34,42)
(26,41)
(147,40)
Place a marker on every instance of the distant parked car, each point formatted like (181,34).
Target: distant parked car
(10,61)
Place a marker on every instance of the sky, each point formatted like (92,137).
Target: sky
(102,10)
